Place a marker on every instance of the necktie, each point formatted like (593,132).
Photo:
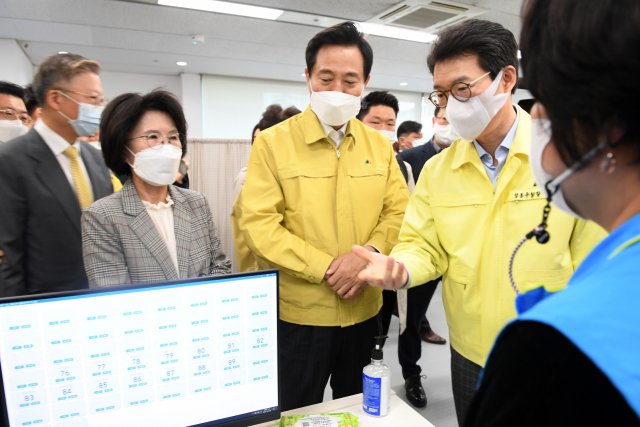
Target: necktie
(85,195)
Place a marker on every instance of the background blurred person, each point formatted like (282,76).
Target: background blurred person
(418,156)
(150,231)
(14,118)
(290,112)
(271,117)
(48,177)
(571,358)
(379,111)
(245,260)
(408,133)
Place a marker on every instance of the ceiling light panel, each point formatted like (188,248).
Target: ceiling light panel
(225,8)
(396,33)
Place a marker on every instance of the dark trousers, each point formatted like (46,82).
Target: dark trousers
(464,379)
(309,355)
(410,343)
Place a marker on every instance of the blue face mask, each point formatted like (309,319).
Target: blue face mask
(88,121)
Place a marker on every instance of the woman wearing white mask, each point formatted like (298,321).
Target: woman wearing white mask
(571,357)
(150,231)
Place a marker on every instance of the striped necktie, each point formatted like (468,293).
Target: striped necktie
(85,195)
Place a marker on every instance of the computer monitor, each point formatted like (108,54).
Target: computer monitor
(199,352)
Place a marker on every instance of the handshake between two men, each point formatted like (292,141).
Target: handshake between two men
(349,275)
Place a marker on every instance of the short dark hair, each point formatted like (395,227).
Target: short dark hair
(409,127)
(271,117)
(290,112)
(12,89)
(122,114)
(30,100)
(436,111)
(344,34)
(381,97)
(60,67)
(581,63)
(495,46)
(253,134)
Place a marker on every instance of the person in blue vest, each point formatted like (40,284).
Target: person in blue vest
(573,358)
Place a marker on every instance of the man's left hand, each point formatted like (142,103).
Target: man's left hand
(343,275)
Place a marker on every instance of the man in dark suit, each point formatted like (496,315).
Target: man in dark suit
(47,177)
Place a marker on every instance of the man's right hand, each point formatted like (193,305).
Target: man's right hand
(381,271)
(1,255)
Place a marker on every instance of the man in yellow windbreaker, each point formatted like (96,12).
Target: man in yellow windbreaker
(474,202)
(316,185)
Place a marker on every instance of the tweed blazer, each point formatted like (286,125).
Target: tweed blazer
(122,246)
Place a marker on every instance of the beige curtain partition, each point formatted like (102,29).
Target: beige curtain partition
(214,165)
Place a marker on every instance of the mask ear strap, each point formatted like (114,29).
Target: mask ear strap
(552,187)
(64,115)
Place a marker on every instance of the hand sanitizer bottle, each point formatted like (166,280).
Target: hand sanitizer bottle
(376,384)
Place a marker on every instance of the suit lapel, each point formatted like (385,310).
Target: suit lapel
(426,152)
(97,182)
(143,226)
(182,226)
(52,176)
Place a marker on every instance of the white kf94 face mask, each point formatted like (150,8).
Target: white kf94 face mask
(157,166)
(10,129)
(389,134)
(445,135)
(335,108)
(469,119)
(540,138)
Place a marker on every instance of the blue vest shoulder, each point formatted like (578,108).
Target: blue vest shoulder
(599,311)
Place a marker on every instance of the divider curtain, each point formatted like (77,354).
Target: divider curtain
(214,165)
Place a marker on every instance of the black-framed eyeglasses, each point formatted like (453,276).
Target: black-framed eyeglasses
(156,140)
(460,91)
(95,99)
(11,114)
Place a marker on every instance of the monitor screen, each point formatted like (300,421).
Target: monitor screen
(189,353)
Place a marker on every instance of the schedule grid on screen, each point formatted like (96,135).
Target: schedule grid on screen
(164,356)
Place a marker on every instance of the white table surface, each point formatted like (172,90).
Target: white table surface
(401,413)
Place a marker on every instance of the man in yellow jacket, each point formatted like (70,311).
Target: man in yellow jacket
(476,201)
(317,184)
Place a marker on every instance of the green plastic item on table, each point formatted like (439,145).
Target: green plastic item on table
(339,419)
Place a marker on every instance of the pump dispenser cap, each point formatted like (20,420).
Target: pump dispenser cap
(376,354)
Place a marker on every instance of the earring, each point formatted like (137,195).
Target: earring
(608,164)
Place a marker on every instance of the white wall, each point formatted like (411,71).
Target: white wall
(191,96)
(15,67)
(115,83)
(232,106)
(185,86)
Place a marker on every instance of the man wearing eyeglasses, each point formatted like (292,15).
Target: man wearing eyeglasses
(476,201)
(13,112)
(47,177)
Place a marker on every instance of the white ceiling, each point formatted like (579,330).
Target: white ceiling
(145,38)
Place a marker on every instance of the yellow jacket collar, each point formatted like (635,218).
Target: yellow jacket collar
(313,131)
(466,152)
